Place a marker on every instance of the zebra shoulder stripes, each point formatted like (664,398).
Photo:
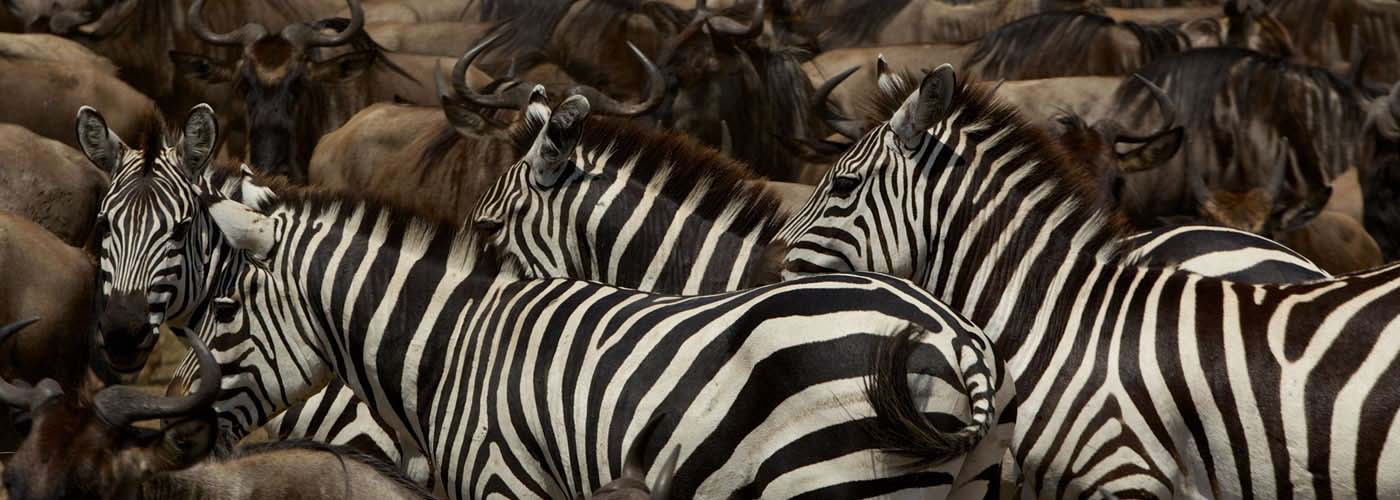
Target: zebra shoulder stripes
(1132,381)
(536,387)
(1221,252)
(157,248)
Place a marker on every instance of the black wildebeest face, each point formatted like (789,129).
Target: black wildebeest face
(284,84)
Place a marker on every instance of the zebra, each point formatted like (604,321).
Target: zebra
(535,387)
(1221,252)
(156,244)
(1132,381)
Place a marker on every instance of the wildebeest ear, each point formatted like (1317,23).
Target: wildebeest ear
(926,107)
(554,146)
(201,68)
(244,228)
(343,67)
(184,443)
(100,144)
(1154,152)
(198,140)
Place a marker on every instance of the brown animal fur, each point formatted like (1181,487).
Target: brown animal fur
(49,183)
(1336,242)
(45,278)
(64,88)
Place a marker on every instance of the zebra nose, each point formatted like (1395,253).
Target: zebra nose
(126,335)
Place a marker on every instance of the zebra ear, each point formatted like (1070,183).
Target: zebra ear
(198,140)
(550,156)
(100,144)
(244,228)
(926,107)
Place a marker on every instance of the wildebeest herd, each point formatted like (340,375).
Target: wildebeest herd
(732,248)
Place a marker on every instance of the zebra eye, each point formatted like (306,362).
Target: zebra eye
(844,185)
(487,225)
(224,308)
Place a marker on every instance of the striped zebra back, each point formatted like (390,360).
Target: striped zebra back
(1133,381)
(632,207)
(536,387)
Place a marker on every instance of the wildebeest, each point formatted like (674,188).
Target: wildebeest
(91,449)
(291,94)
(439,160)
(872,23)
(1323,32)
(1237,105)
(49,183)
(45,69)
(43,277)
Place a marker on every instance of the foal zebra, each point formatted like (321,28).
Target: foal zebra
(535,388)
(1132,381)
(157,245)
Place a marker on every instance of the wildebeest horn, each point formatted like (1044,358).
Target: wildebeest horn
(465,92)
(122,405)
(1168,113)
(726,142)
(603,104)
(24,396)
(248,33)
(357,23)
(726,26)
(842,125)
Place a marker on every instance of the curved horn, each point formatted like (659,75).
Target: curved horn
(24,396)
(465,92)
(1168,113)
(121,405)
(726,26)
(842,125)
(248,33)
(603,104)
(662,489)
(357,23)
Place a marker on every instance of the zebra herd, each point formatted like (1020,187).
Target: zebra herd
(948,315)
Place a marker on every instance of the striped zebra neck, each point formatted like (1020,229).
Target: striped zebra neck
(641,209)
(335,262)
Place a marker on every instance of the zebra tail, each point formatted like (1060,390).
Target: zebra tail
(902,427)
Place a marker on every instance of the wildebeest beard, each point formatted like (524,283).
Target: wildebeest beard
(285,120)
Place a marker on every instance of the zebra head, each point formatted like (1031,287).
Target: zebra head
(513,215)
(149,225)
(859,217)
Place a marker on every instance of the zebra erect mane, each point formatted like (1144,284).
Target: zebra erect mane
(687,164)
(974,105)
(318,199)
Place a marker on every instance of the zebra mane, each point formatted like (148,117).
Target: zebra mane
(686,163)
(978,109)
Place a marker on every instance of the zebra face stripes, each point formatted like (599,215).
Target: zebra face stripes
(537,388)
(1132,381)
(148,227)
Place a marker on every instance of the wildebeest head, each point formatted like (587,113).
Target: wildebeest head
(727,71)
(1254,205)
(463,105)
(1096,147)
(287,87)
(82,449)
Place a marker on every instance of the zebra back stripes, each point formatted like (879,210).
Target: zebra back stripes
(535,387)
(1132,381)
